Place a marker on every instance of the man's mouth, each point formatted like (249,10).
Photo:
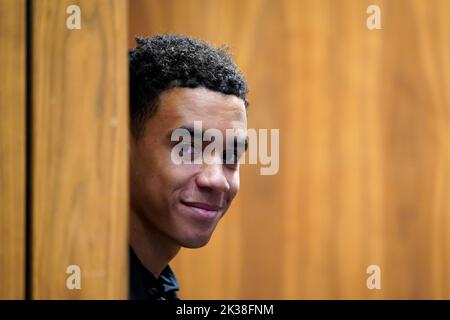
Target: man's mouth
(204,210)
(202,205)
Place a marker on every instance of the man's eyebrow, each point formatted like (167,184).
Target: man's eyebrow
(237,142)
(187,128)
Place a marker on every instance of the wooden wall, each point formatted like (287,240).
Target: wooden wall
(364,159)
(12,148)
(64,191)
(79,151)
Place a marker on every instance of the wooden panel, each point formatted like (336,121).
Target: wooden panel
(80,150)
(12,149)
(364,165)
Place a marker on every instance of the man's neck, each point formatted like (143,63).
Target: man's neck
(154,249)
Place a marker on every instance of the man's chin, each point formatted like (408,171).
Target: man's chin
(195,242)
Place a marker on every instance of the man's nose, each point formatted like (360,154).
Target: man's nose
(213,177)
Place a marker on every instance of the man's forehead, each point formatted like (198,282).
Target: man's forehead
(199,104)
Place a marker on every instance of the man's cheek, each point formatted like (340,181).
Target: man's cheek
(180,174)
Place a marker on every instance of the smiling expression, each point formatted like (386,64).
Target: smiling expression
(184,202)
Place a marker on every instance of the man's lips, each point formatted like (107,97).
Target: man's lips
(202,205)
(203,210)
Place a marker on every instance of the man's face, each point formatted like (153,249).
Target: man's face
(184,202)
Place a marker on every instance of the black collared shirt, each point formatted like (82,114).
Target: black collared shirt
(145,286)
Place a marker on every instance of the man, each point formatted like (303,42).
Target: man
(175,81)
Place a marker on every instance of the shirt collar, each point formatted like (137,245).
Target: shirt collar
(144,285)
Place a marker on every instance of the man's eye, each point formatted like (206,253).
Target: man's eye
(189,148)
(230,157)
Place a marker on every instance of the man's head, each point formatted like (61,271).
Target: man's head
(174,81)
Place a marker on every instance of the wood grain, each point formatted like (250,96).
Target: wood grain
(12,148)
(80,143)
(364,165)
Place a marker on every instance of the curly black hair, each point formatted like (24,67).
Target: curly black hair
(166,61)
